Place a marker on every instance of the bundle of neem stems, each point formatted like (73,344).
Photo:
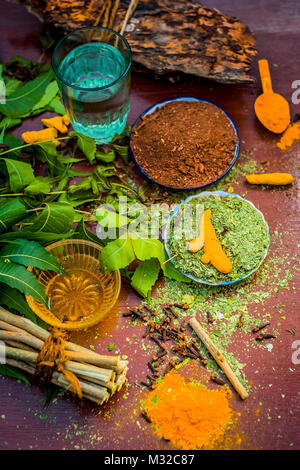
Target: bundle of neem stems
(99,376)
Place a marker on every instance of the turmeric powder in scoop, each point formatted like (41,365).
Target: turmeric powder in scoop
(272,109)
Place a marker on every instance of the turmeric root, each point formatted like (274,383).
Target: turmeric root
(271,178)
(213,251)
(57,123)
(66,119)
(38,136)
(197,243)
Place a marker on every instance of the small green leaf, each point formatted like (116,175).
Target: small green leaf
(145,276)
(13,142)
(110,346)
(9,371)
(12,85)
(42,237)
(105,155)
(8,122)
(40,185)
(46,152)
(84,234)
(56,218)
(171,272)
(52,391)
(108,218)
(86,144)
(154,399)
(14,300)
(56,106)
(20,174)
(146,248)
(117,254)
(30,253)
(123,151)
(18,277)
(216,333)
(10,213)
(50,92)
(24,98)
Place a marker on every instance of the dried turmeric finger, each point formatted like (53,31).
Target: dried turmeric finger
(213,251)
(57,122)
(38,136)
(197,243)
(66,119)
(271,178)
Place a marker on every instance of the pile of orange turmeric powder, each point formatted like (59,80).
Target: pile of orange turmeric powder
(291,134)
(188,414)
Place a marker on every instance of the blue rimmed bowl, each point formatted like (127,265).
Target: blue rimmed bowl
(160,104)
(166,235)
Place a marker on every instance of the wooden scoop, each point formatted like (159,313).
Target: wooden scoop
(272,109)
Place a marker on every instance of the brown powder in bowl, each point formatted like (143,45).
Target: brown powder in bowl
(184,144)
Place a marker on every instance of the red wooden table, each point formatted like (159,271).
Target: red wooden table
(270,416)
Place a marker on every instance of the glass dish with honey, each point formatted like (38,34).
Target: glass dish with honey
(83,294)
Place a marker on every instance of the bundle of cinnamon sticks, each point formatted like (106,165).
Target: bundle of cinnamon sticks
(100,376)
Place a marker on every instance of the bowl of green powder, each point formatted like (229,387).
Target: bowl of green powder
(239,226)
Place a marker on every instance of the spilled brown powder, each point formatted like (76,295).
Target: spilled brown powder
(184,144)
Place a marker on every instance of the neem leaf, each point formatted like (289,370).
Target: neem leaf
(12,85)
(46,152)
(117,254)
(29,253)
(56,217)
(84,234)
(56,106)
(10,213)
(109,218)
(145,276)
(50,92)
(14,300)
(86,144)
(123,151)
(8,122)
(18,277)
(24,98)
(13,142)
(20,174)
(171,272)
(41,237)
(52,391)
(9,371)
(105,155)
(40,185)
(146,248)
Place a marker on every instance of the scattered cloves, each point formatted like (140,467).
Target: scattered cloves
(217,380)
(256,329)
(262,336)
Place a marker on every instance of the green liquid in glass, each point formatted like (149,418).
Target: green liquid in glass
(97,112)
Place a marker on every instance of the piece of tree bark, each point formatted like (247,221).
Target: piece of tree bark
(168,36)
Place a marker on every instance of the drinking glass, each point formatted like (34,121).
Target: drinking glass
(92,67)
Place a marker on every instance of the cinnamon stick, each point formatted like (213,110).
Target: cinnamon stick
(219,358)
(99,376)
(16,323)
